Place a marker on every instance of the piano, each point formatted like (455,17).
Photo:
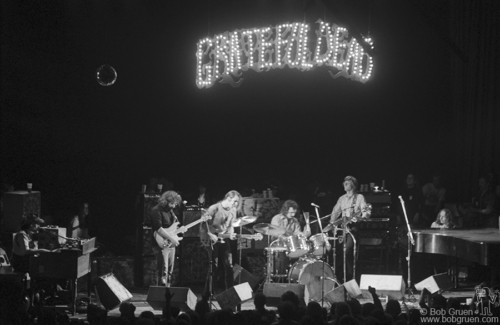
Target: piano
(476,245)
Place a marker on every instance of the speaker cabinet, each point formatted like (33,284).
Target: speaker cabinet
(273,292)
(15,205)
(434,283)
(246,276)
(183,298)
(390,285)
(110,292)
(350,289)
(189,215)
(234,296)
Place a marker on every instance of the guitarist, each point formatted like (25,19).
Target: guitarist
(351,205)
(162,216)
(223,214)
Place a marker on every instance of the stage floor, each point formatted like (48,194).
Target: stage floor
(139,295)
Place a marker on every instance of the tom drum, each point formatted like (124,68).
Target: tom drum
(297,245)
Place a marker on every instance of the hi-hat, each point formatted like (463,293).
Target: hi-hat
(244,221)
(268,229)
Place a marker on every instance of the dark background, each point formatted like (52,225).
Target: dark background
(76,140)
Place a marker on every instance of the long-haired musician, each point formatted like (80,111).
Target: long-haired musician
(162,217)
(218,228)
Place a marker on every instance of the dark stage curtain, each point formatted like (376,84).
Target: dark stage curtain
(475,30)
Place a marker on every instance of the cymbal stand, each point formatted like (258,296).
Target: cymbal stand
(411,242)
(210,276)
(268,278)
(323,253)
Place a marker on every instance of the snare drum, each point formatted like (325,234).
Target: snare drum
(310,272)
(297,245)
(317,241)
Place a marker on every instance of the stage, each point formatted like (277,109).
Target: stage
(139,297)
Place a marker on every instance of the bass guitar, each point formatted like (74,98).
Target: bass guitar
(174,230)
(207,241)
(354,218)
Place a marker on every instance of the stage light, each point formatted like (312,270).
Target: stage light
(106,75)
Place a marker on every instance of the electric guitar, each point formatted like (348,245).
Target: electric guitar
(354,218)
(207,241)
(174,230)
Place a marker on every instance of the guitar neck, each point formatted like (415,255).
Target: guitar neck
(194,223)
(246,236)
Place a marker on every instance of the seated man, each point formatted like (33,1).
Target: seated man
(481,213)
(24,245)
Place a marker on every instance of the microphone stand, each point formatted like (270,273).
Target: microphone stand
(411,242)
(323,252)
(210,272)
(346,232)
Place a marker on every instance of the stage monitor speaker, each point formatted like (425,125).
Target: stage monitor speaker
(110,292)
(246,276)
(273,292)
(350,289)
(391,285)
(183,298)
(234,296)
(434,283)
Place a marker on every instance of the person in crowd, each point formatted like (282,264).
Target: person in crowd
(219,227)
(314,313)
(434,197)
(163,217)
(286,310)
(413,199)
(481,213)
(444,220)
(340,309)
(24,244)
(202,199)
(353,207)
(127,311)
(266,316)
(393,308)
(299,310)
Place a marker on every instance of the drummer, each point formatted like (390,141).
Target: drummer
(286,220)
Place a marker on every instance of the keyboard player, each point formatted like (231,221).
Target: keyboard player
(24,245)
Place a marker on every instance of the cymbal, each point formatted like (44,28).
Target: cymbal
(268,229)
(244,221)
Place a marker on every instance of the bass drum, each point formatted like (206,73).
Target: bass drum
(309,271)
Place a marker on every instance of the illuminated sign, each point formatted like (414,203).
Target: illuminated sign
(225,56)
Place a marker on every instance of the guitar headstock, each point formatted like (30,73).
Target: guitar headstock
(258,236)
(206,217)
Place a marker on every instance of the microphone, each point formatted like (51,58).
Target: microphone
(315,205)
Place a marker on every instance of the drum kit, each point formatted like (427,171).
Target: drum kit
(308,269)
